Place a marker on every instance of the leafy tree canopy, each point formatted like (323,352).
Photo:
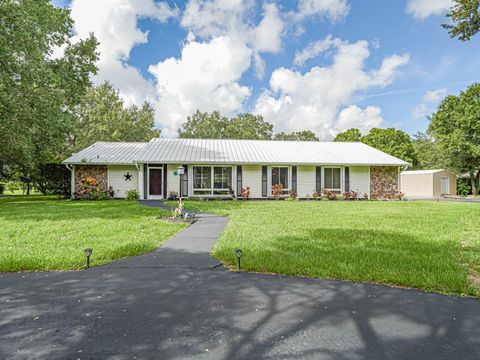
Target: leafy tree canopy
(102,116)
(38,92)
(215,126)
(305,135)
(465,15)
(391,141)
(350,135)
(430,154)
(456,126)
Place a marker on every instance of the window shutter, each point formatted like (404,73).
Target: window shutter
(347,179)
(264,181)
(318,179)
(239,180)
(294,178)
(165,195)
(145,181)
(185,181)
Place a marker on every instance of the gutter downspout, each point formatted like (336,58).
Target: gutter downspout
(140,180)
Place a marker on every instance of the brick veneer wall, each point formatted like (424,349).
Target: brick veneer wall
(98,172)
(383,182)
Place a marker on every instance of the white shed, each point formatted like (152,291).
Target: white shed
(428,183)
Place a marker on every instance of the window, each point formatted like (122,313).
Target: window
(332,178)
(280,176)
(222,180)
(202,180)
(212,180)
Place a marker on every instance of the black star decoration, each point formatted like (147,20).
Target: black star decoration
(128,176)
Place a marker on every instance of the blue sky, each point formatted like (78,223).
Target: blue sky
(238,56)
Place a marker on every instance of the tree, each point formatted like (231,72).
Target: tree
(465,15)
(215,126)
(456,126)
(248,126)
(393,142)
(38,92)
(350,135)
(305,135)
(102,116)
(430,154)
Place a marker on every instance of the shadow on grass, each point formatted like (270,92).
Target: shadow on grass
(392,257)
(176,313)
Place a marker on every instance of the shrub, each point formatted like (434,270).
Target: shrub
(329,194)
(293,195)
(91,190)
(53,179)
(173,195)
(99,195)
(2,189)
(277,190)
(133,195)
(246,193)
(350,195)
(464,186)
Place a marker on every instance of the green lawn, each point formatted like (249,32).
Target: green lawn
(45,233)
(433,246)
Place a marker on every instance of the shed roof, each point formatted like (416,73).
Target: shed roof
(421,172)
(223,151)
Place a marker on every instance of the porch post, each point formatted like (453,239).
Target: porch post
(141,187)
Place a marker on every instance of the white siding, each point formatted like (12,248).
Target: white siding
(117,181)
(252,177)
(305,181)
(360,179)
(173,182)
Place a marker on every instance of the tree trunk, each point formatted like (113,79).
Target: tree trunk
(473,182)
(476,181)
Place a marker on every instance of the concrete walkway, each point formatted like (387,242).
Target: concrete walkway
(188,249)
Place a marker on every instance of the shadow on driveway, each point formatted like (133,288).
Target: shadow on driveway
(172,313)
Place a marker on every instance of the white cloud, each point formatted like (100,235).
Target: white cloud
(434,95)
(114,23)
(312,100)
(421,9)
(268,34)
(205,77)
(429,100)
(222,44)
(315,49)
(333,9)
(362,119)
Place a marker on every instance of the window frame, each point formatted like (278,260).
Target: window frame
(286,188)
(324,178)
(211,190)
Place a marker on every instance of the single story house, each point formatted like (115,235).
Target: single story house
(428,183)
(220,168)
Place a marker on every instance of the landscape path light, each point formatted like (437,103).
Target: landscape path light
(88,253)
(239,253)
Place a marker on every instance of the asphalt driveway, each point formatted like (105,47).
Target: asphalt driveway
(174,303)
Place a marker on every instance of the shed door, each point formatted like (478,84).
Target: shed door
(445,185)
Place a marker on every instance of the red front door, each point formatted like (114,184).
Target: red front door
(155,182)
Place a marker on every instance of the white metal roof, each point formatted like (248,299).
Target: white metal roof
(420,172)
(108,153)
(213,151)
